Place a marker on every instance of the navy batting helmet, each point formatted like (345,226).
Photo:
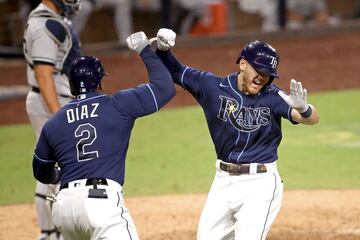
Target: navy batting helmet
(69,7)
(262,57)
(85,75)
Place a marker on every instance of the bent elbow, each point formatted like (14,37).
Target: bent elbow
(317,120)
(170,93)
(314,121)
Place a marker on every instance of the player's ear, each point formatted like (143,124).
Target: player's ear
(242,65)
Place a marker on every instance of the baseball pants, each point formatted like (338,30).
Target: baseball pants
(78,216)
(241,206)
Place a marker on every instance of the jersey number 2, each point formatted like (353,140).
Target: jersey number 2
(87,132)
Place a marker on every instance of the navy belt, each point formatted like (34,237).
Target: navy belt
(238,169)
(90,182)
(37,90)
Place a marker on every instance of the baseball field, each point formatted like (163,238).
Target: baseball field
(171,159)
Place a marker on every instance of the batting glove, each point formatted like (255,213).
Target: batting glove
(297,98)
(137,41)
(165,39)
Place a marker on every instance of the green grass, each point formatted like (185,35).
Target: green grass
(171,152)
(326,155)
(16,146)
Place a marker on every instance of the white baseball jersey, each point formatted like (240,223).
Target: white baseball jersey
(48,39)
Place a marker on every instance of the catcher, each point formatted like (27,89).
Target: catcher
(50,46)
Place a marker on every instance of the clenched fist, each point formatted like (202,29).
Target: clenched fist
(137,41)
(165,39)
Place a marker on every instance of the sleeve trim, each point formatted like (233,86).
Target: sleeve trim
(42,60)
(182,78)
(290,117)
(43,160)
(152,93)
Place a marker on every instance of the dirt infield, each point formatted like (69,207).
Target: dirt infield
(321,63)
(305,215)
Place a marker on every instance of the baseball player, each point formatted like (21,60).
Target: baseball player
(243,111)
(88,138)
(50,46)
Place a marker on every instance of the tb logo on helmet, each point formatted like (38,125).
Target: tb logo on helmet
(273,62)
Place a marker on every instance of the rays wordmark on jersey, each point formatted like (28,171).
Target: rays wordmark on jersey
(244,119)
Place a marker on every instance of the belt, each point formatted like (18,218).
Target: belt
(238,169)
(37,90)
(90,182)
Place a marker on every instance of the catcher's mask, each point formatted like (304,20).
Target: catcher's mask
(262,57)
(85,75)
(69,7)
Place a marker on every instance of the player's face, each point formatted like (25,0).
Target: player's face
(251,82)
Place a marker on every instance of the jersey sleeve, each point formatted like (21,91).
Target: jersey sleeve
(147,98)
(44,48)
(190,79)
(196,81)
(44,160)
(136,102)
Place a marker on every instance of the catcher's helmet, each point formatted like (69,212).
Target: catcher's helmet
(69,7)
(262,57)
(85,75)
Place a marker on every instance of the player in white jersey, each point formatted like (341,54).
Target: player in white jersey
(49,47)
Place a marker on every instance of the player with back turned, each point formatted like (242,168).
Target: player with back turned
(50,45)
(88,138)
(243,111)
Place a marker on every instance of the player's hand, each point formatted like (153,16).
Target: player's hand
(137,41)
(297,98)
(165,39)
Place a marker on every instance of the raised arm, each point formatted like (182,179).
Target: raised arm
(193,80)
(165,40)
(159,76)
(302,112)
(146,98)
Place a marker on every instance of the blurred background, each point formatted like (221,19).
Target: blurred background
(222,26)
(105,23)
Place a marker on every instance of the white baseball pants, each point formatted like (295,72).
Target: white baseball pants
(79,217)
(241,206)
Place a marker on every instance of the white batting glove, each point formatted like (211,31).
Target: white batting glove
(165,39)
(137,41)
(297,98)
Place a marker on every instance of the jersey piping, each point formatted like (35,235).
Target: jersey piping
(182,78)
(43,160)
(237,140)
(152,93)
